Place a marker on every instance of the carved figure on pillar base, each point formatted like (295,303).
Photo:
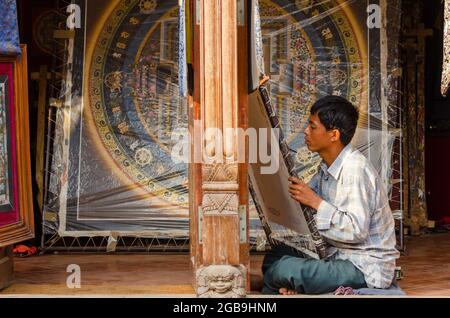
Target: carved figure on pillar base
(221,281)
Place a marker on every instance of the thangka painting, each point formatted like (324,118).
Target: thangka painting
(16,204)
(8,174)
(4,166)
(112,169)
(312,49)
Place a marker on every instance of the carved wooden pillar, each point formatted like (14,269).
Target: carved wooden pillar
(414,40)
(218,182)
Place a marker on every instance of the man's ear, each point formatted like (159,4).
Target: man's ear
(335,135)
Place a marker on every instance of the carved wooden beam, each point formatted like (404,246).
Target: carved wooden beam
(218,183)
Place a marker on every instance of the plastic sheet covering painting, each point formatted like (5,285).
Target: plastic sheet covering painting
(312,49)
(112,170)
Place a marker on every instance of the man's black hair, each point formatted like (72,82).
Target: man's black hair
(336,112)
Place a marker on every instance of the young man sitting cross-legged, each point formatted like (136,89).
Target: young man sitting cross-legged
(353,213)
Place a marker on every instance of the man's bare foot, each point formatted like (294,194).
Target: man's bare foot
(287,292)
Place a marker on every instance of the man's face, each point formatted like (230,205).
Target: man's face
(317,138)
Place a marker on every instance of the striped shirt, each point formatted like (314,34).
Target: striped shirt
(355,218)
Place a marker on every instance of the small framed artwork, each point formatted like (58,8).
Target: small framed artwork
(16,209)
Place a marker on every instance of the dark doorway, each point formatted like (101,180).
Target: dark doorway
(437,144)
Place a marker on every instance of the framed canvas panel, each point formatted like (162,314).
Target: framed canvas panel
(16,210)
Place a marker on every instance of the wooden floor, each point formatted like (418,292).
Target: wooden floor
(426,268)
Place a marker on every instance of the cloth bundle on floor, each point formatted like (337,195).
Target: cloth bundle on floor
(394,290)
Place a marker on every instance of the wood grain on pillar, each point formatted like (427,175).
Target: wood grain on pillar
(219,183)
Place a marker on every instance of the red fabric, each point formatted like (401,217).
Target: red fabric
(12,216)
(24,251)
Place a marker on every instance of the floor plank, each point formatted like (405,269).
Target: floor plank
(426,268)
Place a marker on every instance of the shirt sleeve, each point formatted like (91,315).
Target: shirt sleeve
(348,222)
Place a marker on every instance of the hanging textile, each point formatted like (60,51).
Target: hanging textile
(9,31)
(182,48)
(446,66)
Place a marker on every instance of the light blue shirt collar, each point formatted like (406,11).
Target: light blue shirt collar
(336,167)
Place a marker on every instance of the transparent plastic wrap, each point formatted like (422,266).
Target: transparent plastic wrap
(310,49)
(123,107)
(111,172)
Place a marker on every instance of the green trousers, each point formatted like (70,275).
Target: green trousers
(283,268)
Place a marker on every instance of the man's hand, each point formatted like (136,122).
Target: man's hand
(302,193)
